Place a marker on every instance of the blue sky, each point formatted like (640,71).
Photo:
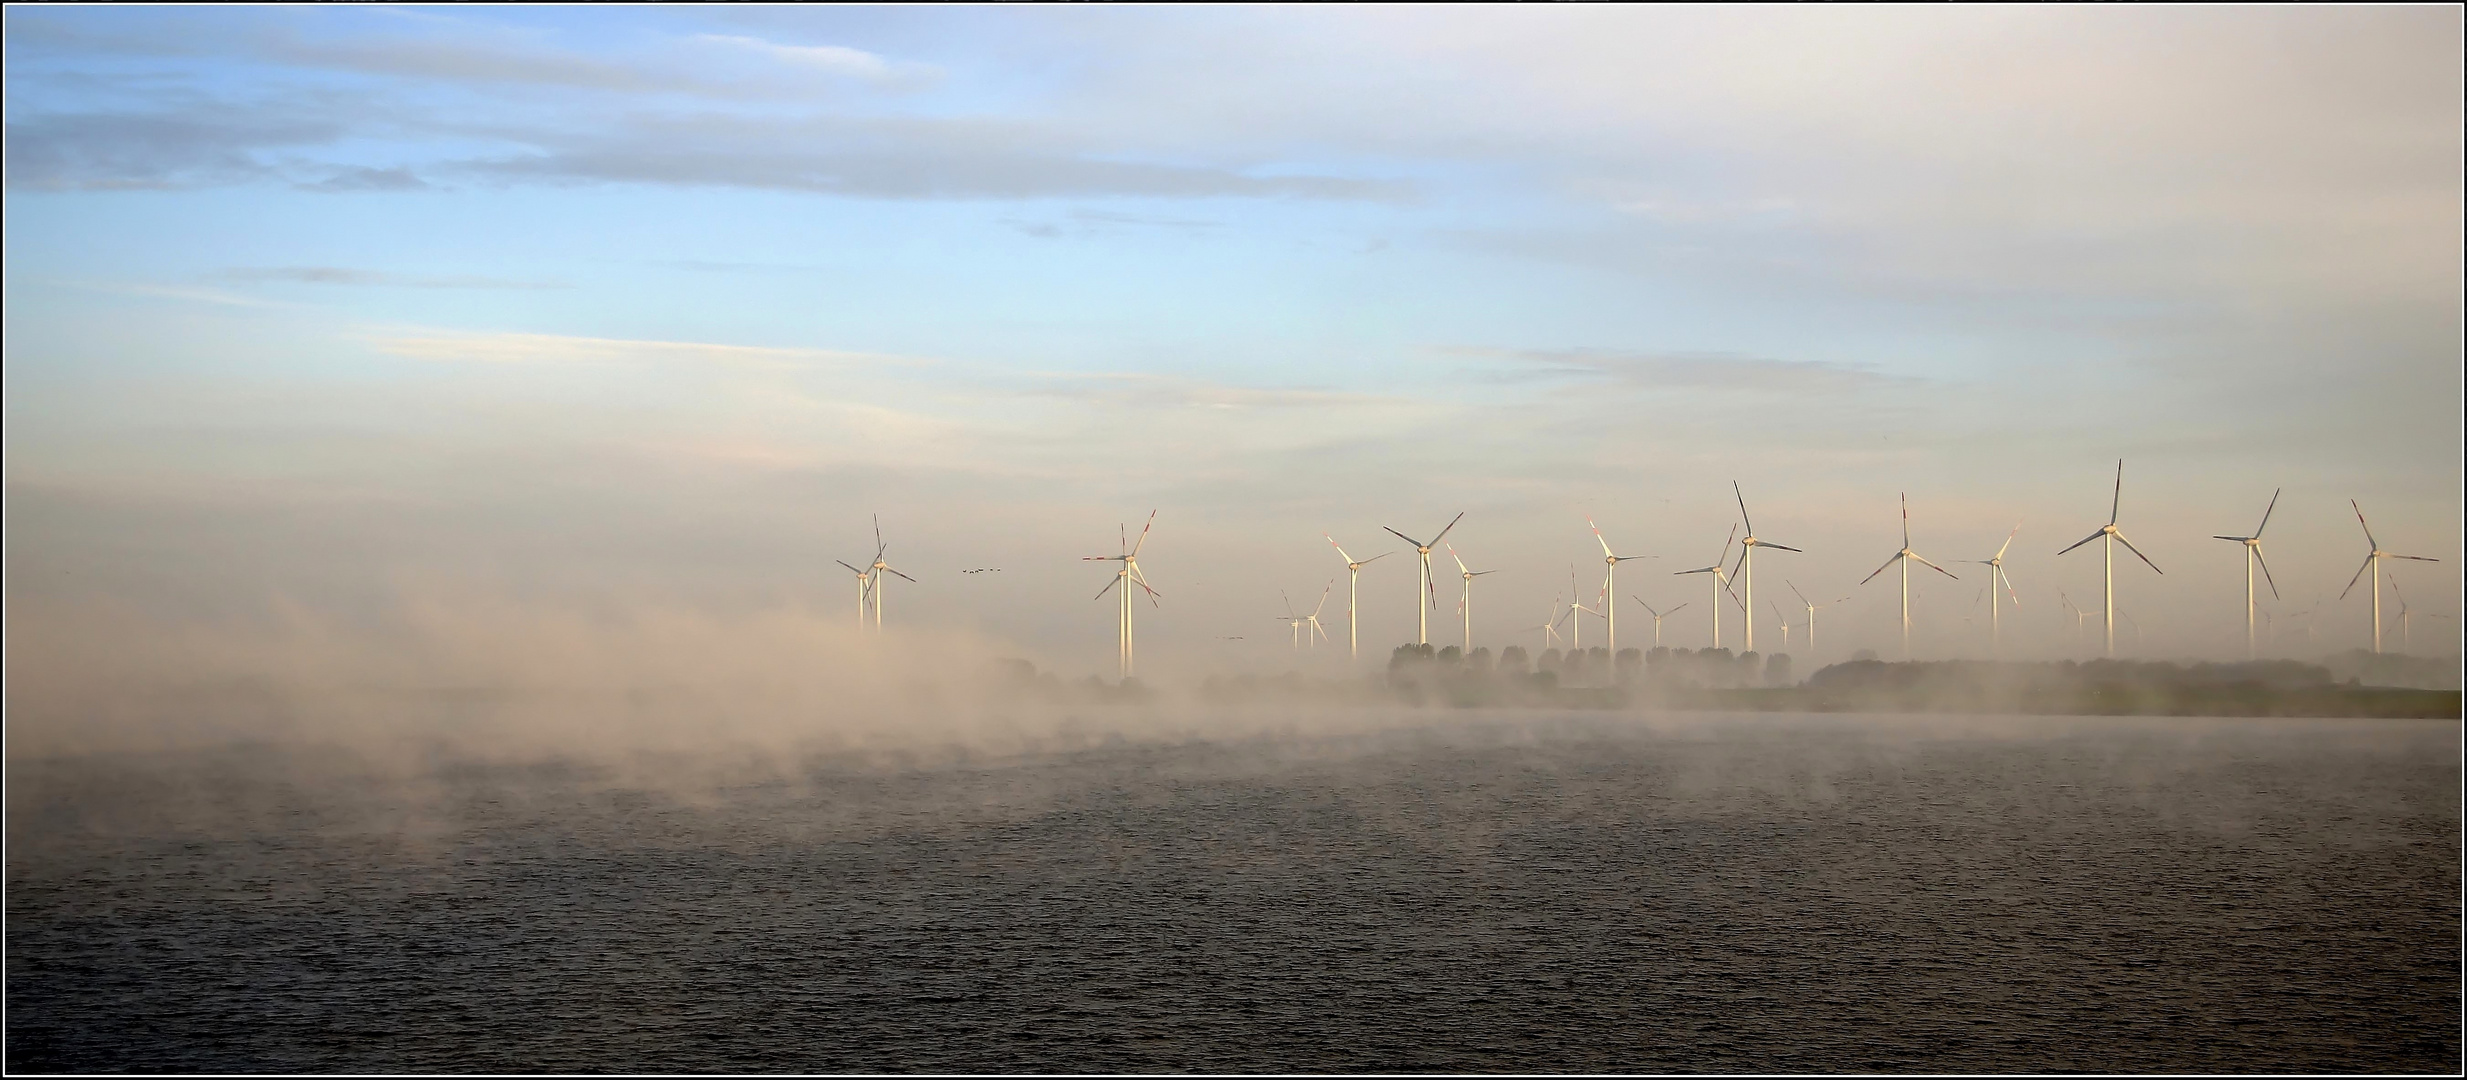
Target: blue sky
(323,306)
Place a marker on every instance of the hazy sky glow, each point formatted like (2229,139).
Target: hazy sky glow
(325,308)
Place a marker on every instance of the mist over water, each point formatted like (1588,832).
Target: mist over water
(1151,887)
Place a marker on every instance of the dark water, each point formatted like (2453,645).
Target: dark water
(1506,893)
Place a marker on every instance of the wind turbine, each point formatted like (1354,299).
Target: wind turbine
(865,590)
(2372,563)
(2406,634)
(1780,618)
(1721,583)
(2079,616)
(1309,622)
(2252,554)
(1550,630)
(1464,601)
(1576,629)
(1747,570)
(880,568)
(1995,578)
(1811,614)
(1353,593)
(1904,556)
(2107,556)
(1428,589)
(1610,584)
(1126,577)
(1658,616)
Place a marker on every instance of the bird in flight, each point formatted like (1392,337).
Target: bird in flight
(984,570)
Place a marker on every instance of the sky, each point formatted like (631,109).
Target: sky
(343,310)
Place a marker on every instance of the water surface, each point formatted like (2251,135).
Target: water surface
(1541,891)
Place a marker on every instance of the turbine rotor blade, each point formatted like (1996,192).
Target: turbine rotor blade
(2085,540)
(1376,558)
(1597,536)
(1109,587)
(1143,533)
(2265,571)
(1794,591)
(2008,587)
(1340,548)
(843,562)
(1881,569)
(1410,540)
(2368,528)
(1771,544)
(1735,493)
(2265,514)
(2128,546)
(2413,558)
(902,576)
(1673,611)
(2117,503)
(1941,570)
(1905,519)
(2351,582)
(2008,539)
(1443,533)
(1460,562)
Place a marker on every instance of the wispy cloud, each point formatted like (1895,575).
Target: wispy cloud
(361,178)
(517,348)
(832,59)
(343,275)
(1681,370)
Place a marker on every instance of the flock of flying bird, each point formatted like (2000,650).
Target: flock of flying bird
(1722,574)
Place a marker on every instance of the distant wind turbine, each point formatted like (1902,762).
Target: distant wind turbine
(1610,584)
(2107,555)
(1904,557)
(1747,570)
(1658,616)
(2252,554)
(1811,614)
(865,590)
(1429,591)
(1995,578)
(1721,583)
(1780,618)
(2078,616)
(1550,630)
(2406,632)
(2372,563)
(880,568)
(1576,629)
(1464,600)
(1353,593)
(1307,623)
(1126,577)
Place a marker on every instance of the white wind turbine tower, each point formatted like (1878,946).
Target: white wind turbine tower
(1996,578)
(865,590)
(1811,615)
(2252,554)
(880,568)
(1464,600)
(1126,577)
(1610,584)
(1576,629)
(1658,616)
(1429,591)
(1353,593)
(1904,557)
(2107,556)
(2372,563)
(1721,583)
(1747,571)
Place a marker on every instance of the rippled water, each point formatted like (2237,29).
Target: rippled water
(1539,892)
